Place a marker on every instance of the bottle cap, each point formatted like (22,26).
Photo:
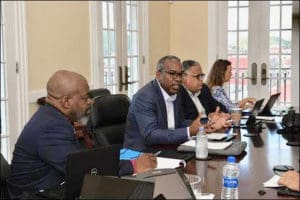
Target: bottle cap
(231,159)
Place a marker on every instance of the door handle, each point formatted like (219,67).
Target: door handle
(253,77)
(120,78)
(127,82)
(264,74)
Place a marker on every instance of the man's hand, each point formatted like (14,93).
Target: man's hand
(290,179)
(217,121)
(145,162)
(194,127)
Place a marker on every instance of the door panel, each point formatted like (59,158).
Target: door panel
(259,45)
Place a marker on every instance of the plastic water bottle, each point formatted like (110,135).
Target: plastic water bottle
(230,179)
(201,144)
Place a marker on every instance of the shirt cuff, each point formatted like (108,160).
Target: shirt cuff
(133,162)
(188,133)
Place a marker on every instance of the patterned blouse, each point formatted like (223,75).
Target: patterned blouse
(219,94)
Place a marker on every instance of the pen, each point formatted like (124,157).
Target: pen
(157,153)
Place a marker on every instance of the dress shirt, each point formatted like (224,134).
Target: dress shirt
(170,109)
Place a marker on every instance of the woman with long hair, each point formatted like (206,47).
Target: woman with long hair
(219,74)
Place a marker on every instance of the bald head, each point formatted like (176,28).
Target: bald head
(68,92)
(63,83)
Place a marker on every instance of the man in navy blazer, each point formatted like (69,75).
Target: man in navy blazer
(155,115)
(40,152)
(195,95)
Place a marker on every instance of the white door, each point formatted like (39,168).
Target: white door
(122,40)
(258,42)
(14,102)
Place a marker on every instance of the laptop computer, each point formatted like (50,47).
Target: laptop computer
(105,187)
(99,161)
(169,183)
(104,161)
(266,111)
(256,108)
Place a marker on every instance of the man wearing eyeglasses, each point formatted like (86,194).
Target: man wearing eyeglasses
(195,95)
(155,115)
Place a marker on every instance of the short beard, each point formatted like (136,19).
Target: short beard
(83,120)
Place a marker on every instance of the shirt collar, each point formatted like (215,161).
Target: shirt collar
(166,96)
(192,94)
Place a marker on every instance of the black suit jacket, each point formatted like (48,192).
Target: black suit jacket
(208,102)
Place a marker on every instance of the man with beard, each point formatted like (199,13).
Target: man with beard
(155,116)
(39,156)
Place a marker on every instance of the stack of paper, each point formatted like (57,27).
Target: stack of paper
(211,145)
(273,182)
(163,163)
(216,136)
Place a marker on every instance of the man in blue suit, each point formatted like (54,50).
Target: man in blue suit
(40,153)
(155,116)
(196,96)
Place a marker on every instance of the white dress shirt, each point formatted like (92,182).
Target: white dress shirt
(170,109)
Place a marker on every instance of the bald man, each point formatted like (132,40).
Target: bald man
(48,137)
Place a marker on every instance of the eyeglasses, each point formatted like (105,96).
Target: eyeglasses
(197,76)
(173,74)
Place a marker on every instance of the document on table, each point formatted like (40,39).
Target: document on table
(163,163)
(211,145)
(216,136)
(273,182)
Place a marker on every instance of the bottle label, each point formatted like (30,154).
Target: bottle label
(230,182)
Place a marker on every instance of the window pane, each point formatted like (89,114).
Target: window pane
(243,61)
(243,3)
(233,60)
(128,18)
(274,2)
(274,42)
(243,19)
(274,61)
(129,43)
(105,43)
(286,38)
(243,42)
(275,17)
(232,19)
(232,3)
(134,17)
(134,43)
(3,84)
(286,17)
(286,61)
(286,2)
(112,45)
(111,15)
(232,42)
(104,15)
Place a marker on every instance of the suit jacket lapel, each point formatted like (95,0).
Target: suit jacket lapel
(161,103)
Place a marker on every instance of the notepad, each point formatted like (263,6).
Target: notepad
(164,163)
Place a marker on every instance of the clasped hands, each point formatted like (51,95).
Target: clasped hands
(217,121)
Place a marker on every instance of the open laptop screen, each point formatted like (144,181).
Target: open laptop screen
(267,108)
(99,161)
(255,111)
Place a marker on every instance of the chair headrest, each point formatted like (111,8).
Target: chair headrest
(109,109)
(98,92)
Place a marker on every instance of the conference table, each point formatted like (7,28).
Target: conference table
(264,151)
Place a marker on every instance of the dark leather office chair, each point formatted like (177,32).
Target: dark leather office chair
(98,92)
(5,169)
(108,119)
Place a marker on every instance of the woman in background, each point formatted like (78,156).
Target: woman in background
(218,75)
